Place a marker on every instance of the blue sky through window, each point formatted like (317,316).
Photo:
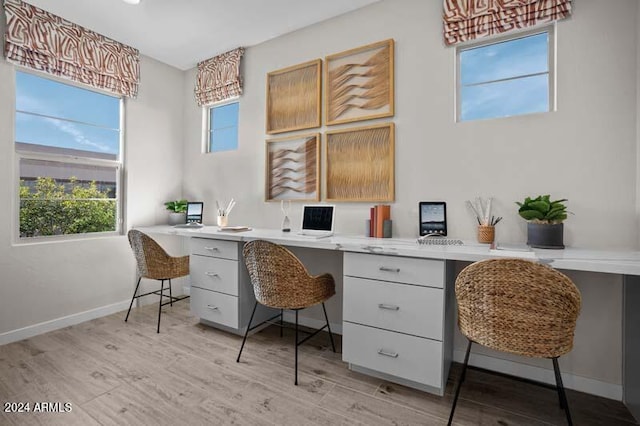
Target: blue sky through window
(224,128)
(515,60)
(75,118)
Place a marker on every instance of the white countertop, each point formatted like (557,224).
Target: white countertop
(616,262)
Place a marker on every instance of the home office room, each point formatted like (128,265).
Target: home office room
(261,111)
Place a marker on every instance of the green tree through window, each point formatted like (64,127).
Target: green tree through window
(52,208)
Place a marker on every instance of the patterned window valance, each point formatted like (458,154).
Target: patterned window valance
(219,78)
(470,19)
(43,41)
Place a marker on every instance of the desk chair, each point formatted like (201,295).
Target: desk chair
(520,307)
(154,263)
(281,281)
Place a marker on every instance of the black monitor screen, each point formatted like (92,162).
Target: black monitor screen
(317,218)
(433,218)
(194,212)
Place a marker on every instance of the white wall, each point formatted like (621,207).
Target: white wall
(585,151)
(48,281)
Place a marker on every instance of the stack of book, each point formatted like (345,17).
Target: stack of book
(378,215)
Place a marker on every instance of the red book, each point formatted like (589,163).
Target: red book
(379,220)
(372,221)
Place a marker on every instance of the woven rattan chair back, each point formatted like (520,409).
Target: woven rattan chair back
(517,306)
(280,280)
(152,261)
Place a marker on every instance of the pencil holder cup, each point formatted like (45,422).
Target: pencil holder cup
(486,234)
(222,220)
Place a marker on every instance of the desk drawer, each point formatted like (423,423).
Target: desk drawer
(397,307)
(408,357)
(215,307)
(424,272)
(215,274)
(214,248)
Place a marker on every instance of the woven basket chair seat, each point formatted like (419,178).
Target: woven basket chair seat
(153,262)
(517,306)
(281,281)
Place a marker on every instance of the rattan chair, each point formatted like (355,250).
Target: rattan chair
(154,263)
(520,307)
(281,281)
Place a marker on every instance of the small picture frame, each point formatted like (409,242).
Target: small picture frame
(293,168)
(359,83)
(360,164)
(293,98)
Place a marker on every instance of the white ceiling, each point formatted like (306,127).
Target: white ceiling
(182,33)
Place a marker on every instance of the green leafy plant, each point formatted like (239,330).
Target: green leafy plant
(542,210)
(178,206)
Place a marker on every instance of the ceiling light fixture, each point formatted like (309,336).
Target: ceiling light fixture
(132,1)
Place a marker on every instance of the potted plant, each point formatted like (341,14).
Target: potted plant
(544,228)
(178,211)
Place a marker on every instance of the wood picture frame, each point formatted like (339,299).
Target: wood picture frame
(294,98)
(360,163)
(359,83)
(292,168)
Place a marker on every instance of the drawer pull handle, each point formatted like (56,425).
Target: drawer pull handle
(213,308)
(389,354)
(212,248)
(388,307)
(211,274)
(385,269)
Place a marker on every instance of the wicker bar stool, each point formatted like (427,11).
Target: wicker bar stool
(520,307)
(281,281)
(154,263)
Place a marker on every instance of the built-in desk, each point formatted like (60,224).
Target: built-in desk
(412,345)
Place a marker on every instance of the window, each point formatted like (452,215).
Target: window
(223,127)
(506,77)
(67,141)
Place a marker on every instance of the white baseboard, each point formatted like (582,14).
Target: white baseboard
(186,290)
(539,374)
(55,324)
(311,322)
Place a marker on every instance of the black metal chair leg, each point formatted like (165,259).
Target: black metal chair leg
(561,393)
(133,298)
(170,295)
(247,332)
(281,322)
(333,345)
(296,381)
(160,304)
(462,376)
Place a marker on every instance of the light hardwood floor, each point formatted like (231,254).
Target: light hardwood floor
(117,373)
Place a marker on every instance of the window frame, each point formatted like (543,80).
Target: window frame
(206,117)
(118,164)
(550,30)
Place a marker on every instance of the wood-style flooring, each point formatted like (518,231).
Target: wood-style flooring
(117,373)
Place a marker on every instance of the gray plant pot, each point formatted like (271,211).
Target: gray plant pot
(543,235)
(177,218)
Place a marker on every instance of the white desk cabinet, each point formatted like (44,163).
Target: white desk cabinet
(394,317)
(221,292)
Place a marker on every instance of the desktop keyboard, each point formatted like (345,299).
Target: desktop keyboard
(439,241)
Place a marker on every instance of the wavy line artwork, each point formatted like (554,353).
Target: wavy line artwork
(359,83)
(292,168)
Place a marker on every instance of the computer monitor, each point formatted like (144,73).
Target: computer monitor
(433,218)
(318,220)
(194,211)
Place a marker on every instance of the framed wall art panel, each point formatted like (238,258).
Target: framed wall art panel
(360,164)
(293,98)
(293,168)
(359,83)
